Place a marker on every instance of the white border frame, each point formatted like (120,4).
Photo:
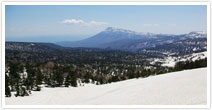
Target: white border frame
(107,106)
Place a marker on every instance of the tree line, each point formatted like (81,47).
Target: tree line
(24,78)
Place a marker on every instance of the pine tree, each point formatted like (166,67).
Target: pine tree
(7,89)
(30,78)
(39,77)
(131,73)
(87,77)
(13,75)
(73,78)
(58,76)
(137,75)
(68,80)
(17,91)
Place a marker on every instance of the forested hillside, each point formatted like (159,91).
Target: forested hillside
(29,65)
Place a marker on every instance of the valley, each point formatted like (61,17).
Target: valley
(106,54)
(124,56)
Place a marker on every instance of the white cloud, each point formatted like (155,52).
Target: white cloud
(97,23)
(82,22)
(72,21)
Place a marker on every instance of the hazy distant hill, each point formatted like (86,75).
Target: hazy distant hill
(178,48)
(32,47)
(107,36)
(121,39)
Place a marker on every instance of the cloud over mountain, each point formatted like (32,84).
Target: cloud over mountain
(82,22)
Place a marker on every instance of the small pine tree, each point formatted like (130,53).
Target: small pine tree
(87,77)
(137,75)
(7,89)
(39,77)
(131,74)
(74,80)
(13,75)
(17,91)
(59,78)
(67,80)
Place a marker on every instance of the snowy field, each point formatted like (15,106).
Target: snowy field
(171,61)
(187,87)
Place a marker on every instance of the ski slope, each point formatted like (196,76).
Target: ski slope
(187,87)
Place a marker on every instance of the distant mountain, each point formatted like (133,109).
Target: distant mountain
(136,44)
(198,34)
(121,39)
(107,36)
(178,48)
(149,49)
(32,47)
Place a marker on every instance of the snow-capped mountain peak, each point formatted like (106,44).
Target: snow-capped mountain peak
(112,29)
(197,34)
(119,30)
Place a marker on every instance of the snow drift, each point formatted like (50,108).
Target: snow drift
(187,87)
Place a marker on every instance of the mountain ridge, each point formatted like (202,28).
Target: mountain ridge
(122,39)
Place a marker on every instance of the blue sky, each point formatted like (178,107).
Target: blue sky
(69,23)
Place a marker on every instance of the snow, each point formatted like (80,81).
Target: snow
(170,61)
(129,32)
(198,34)
(187,87)
(194,49)
(32,44)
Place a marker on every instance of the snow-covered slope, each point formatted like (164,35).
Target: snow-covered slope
(181,88)
(171,61)
(197,34)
